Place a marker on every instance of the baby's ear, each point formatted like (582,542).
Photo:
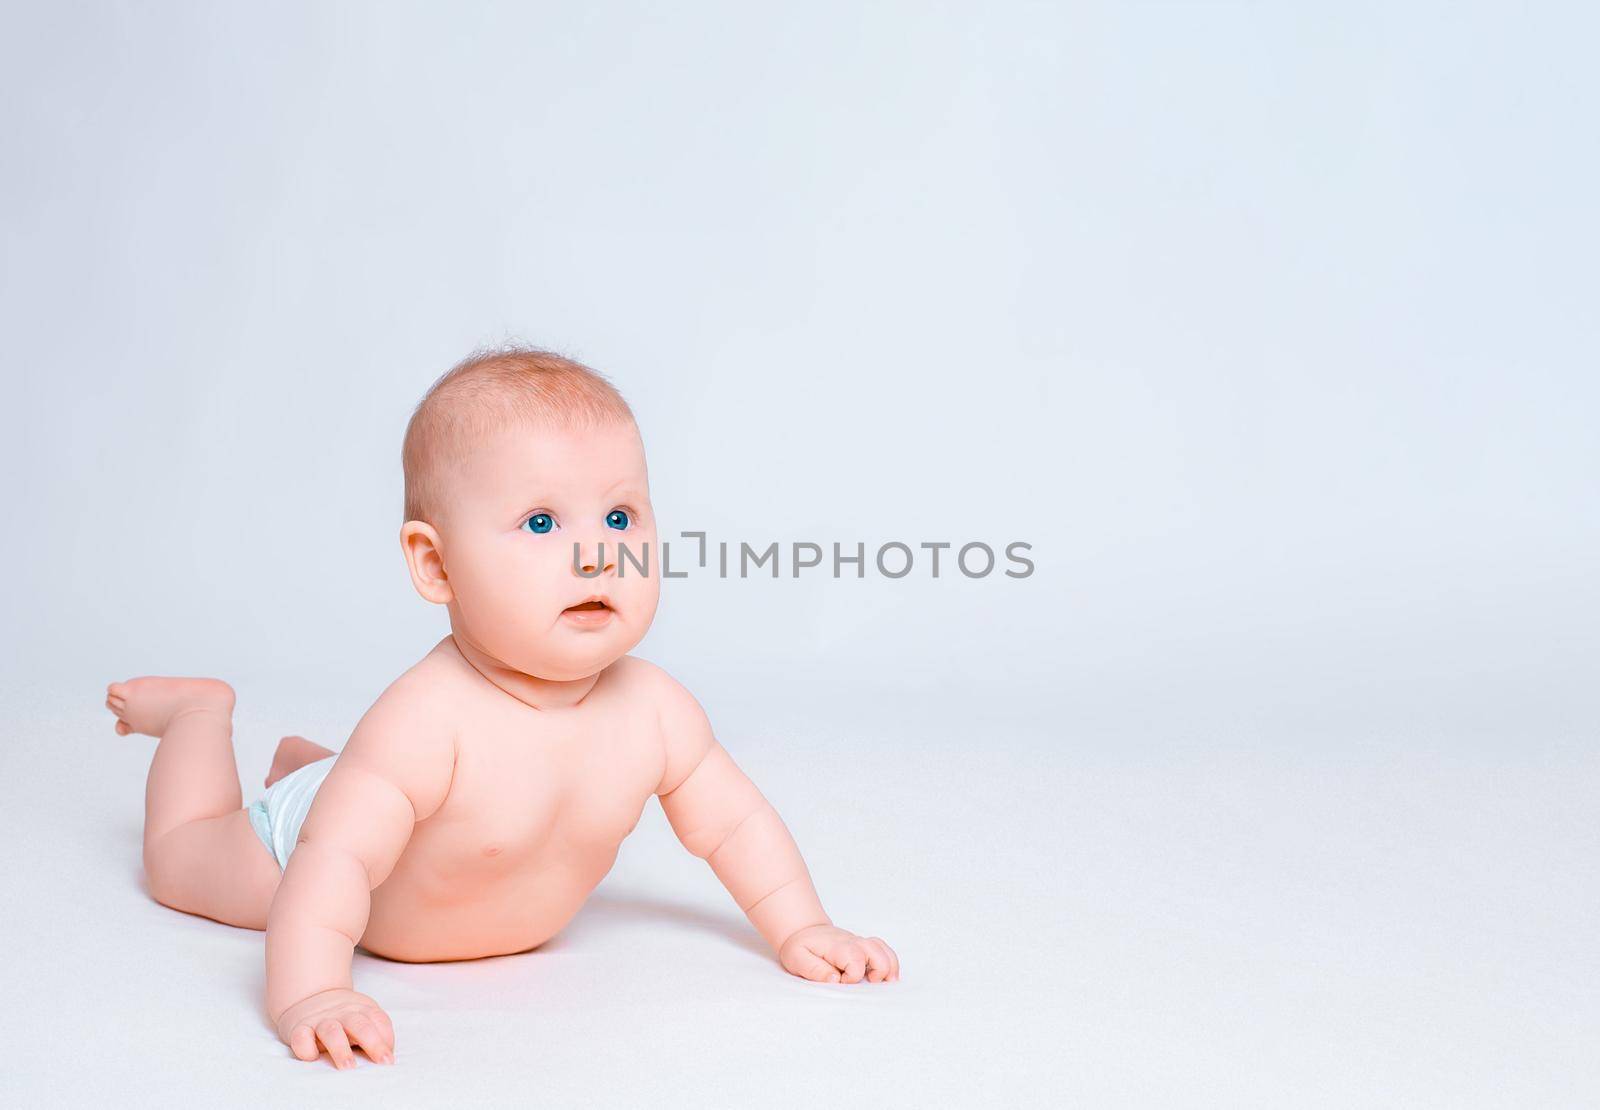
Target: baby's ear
(425,558)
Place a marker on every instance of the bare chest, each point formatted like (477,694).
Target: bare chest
(532,791)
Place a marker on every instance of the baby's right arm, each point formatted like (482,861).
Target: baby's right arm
(395,771)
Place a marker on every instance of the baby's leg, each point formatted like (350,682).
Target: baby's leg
(201,854)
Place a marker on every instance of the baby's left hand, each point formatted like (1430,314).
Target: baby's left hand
(827,954)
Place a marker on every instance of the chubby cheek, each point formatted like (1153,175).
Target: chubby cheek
(504,598)
(637,594)
(637,598)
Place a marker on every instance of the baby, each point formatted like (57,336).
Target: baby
(484,795)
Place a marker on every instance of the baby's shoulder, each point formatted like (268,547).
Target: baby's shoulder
(678,722)
(637,678)
(407,737)
(432,680)
(420,700)
(634,671)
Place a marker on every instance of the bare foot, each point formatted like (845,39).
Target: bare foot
(150,704)
(293,753)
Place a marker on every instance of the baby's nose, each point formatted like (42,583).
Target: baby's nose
(586,562)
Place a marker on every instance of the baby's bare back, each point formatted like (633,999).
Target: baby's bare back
(539,802)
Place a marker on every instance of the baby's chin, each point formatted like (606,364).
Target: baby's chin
(575,673)
(570,662)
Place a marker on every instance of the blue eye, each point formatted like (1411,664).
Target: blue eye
(540,522)
(616,518)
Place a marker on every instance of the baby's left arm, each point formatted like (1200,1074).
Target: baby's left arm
(720,816)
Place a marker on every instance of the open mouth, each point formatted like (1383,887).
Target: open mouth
(596,612)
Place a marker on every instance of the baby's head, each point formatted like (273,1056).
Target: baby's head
(514,456)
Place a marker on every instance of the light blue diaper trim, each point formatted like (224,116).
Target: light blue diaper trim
(278,814)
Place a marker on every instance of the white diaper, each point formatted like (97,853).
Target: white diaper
(277,814)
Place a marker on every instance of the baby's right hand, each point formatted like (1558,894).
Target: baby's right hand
(336,1018)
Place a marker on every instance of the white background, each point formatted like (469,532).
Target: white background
(1270,328)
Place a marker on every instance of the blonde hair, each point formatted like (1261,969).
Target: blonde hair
(491,389)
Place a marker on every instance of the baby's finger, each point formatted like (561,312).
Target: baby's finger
(814,967)
(851,960)
(303,1043)
(878,964)
(369,1035)
(387,1026)
(894,960)
(333,1039)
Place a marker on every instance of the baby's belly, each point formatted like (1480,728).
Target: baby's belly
(463,905)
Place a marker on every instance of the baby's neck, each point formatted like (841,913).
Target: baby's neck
(540,693)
